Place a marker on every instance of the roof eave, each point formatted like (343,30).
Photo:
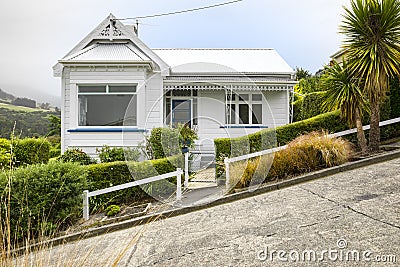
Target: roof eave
(107,62)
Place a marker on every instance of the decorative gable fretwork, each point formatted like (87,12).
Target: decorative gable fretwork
(111,31)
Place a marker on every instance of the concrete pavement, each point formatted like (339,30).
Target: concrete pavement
(333,219)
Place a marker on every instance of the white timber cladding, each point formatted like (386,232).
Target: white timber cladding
(147,96)
(112,55)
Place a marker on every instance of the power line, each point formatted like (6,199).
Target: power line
(183,11)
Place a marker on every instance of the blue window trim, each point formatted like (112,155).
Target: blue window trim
(106,130)
(243,127)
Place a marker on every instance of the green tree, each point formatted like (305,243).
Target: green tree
(55,125)
(302,74)
(372,42)
(343,92)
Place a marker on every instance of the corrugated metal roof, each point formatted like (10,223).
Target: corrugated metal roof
(224,60)
(239,78)
(108,52)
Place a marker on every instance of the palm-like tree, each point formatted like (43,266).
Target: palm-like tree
(372,41)
(343,92)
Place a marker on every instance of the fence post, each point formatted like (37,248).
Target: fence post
(186,183)
(226,162)
(178,184)
(86,205)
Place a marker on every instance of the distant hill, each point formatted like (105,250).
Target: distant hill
(28,122)
(6,96)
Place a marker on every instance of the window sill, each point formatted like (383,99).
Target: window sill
(106,130)
(243,127)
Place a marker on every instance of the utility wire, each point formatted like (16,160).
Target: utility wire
(183,11)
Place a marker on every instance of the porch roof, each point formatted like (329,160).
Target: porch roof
(201,60)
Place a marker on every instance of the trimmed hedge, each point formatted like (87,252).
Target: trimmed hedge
(31,151)
(5,153)
(111,154)
(76,155)
(105,175)
(309,106)
(282,135)
(43,197)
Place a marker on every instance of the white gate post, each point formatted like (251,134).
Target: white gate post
(186,183)
(86,205)
(178,184)
(226,162)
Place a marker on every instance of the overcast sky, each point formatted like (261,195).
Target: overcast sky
(35,34)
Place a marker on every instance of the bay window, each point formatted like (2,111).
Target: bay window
(107,105)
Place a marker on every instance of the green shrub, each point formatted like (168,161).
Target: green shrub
(5,153)
(394,98)
(168,141)
(309,85)
(55,141)
(112,210)
(164,142)
(44,196)
(76,155)
(309,106)
(31,151)
(282,135)
(108,154)
(54,152)
(105,175)
(187,136)
(297,105)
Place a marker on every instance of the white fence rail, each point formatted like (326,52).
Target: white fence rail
(276,149)
(87,194)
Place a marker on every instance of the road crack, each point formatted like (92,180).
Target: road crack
(348,207)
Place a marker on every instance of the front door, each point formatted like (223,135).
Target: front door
(181,112)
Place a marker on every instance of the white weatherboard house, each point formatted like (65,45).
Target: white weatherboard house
(115,89)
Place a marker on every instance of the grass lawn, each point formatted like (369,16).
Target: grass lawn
(20,108)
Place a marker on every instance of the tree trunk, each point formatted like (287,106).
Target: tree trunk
(374,134)
(362,141)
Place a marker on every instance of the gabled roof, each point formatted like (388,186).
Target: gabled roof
(201,60)
(112,52)
(113,31)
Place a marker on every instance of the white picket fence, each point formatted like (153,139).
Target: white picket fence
(227,161)
(86,194)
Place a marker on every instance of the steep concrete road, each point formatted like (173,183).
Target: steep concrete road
(351,219)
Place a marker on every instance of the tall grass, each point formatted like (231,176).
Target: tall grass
(304,154)
(25,243)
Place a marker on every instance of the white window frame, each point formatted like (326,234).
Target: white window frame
(236,102)
(107,92)
(193,106)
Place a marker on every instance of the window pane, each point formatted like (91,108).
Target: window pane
(92,88)
(181,93)
(168,111)
(257,114)
(107,110)
(243,97)
(122,88)
(231,114)
(195,111)
(230,97)
(244,114)
(257,97)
